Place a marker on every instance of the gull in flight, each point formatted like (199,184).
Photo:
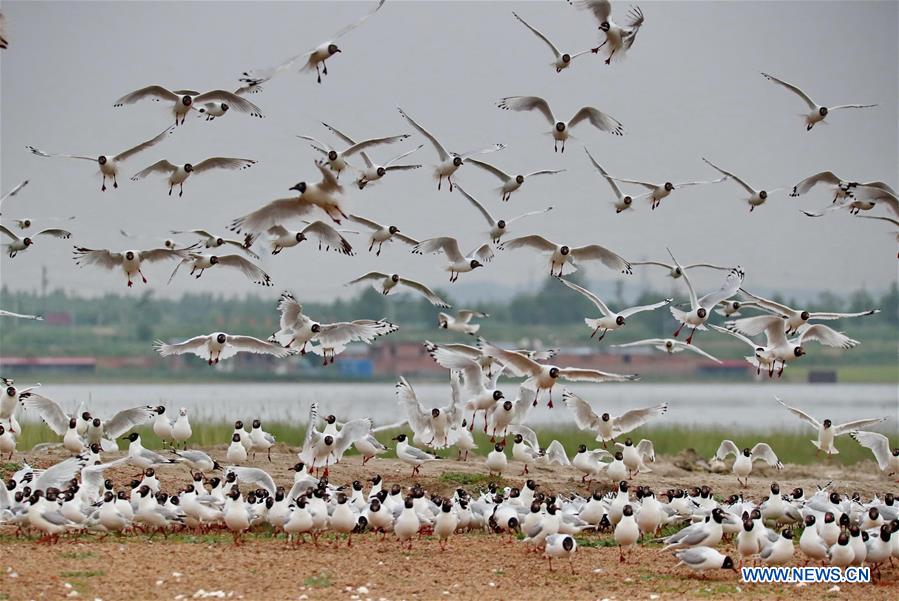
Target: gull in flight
(337,159)
(20,315)
(372,172)
(562,130)
(177,174)
(827,430)
(15,190)
(756,197)
(297,329)
(17,245)
(887,458)
(562,59)
(624,201)
(461,322)
(129,261)
(669,345)
(510,183)
(381,233)
(384,283)
(498,227)
(700,307)
(323,194)
(620,38)
(676,271)
(605,426)
(562,255)
(311,59)
(449,161)
(182,101)
(327,236)
(794,318)
(817,113)
(745,458)
(200,262)
(658,192)
(219,345)
(610,320)
(435,425)
(540,376)
(458,263)
(109,163)
(215,241)
(778,347)
(841,188)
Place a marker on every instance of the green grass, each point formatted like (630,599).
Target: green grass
(322,580)
(82,574)
(7,468)
(76,555)
(464,479)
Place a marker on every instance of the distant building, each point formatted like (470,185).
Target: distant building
(48,364)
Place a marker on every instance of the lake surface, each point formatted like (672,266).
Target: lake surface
(747,406)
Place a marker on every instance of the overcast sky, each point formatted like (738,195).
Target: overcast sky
(690,87)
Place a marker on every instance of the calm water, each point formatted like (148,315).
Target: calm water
(750,405)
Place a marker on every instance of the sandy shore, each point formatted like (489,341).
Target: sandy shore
(474,566)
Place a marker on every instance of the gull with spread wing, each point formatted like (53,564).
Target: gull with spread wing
(324,194)
(219,345)
(129,261)
(215,241)
(182,101)
(109,163)
(178,173)
(481,394)
(623,201)
(458,263)
(311,59)
(337,159)
(436,425)
(605,426)
(17,245)
(827,430)
(756,197)
(461,321)
(280,237)
(562,59)
(297,329)
(498,227)
(669,345)
(842,188)
(562,255)
(610,320)
(510,183)
(15,190)
(887,458)
(817,112)
(200,262)
(561,130)
(620,38)
(700,308)
(794,318)
(778,347)
(676,271)
(381,233)
(658,192)
(371,172)
(744,459)
(449,161)
(541,376)
(384,283)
